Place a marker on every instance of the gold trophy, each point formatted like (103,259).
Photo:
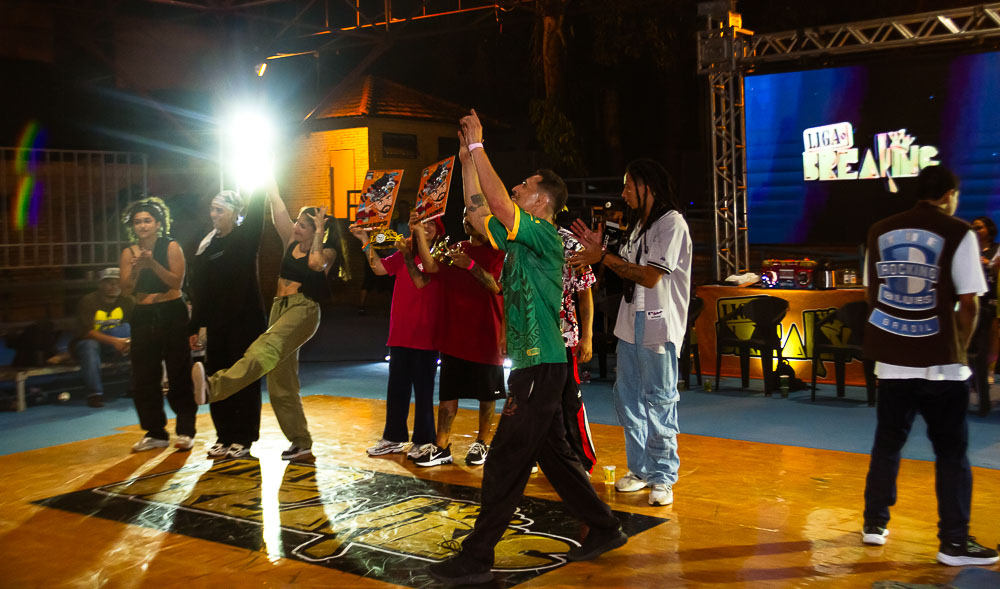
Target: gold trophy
(443,253)
(384,238)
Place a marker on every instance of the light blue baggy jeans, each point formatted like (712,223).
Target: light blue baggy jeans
(646,398)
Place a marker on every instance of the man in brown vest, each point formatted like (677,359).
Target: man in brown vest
(920,263)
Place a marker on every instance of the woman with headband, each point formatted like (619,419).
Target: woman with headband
(309,253)
(152,270)
(226,303)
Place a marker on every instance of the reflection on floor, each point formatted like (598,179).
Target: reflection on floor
(746,514)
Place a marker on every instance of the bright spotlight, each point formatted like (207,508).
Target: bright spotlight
(387,358)
(260,69)
(248,148)
(507,363)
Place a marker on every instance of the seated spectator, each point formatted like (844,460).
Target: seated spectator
(104,331)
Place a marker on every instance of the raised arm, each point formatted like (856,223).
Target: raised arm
(494,193)
(374,261)
(320,258)
(423,249)
(282,222)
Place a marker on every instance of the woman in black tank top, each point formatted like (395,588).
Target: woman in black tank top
(152,270)
(295,315)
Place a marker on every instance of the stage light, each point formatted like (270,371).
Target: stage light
(248,148)
(260,69)
(387,357)
(507,363)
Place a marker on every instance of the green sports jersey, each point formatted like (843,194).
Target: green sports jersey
(532,288)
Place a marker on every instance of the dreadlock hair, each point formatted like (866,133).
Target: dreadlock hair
(553,186)
(659,185)
(153,205)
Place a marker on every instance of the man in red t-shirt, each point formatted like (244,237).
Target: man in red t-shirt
(469,339)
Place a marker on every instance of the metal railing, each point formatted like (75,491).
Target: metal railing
(62,208)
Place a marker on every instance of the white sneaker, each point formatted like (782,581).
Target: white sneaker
(184,442)
(386,447)
(217,450)
(416,452)
(630,483)
(874,535)
(200,383)
(148,443)
(661,494)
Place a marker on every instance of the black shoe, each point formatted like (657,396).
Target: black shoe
(597,543)
(963,553)
(435,457)
(460,571)
(95,401)
(477,453)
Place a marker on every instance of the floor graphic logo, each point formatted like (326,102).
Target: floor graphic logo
(388,527)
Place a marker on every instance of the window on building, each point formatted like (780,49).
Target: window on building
(399,145)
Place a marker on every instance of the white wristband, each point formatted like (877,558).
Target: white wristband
(474,146)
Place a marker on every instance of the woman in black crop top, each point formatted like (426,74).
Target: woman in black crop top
(294,318)
(152,270)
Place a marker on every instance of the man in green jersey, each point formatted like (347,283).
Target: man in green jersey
(531,428)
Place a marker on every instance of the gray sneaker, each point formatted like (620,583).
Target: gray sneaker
(661,494)
(148,443)
(630,483)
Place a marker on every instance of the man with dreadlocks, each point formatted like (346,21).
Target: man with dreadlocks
(655,263)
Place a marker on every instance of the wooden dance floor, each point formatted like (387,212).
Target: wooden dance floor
(90,514)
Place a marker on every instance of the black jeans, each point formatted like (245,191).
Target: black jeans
(236,418)
(160,335)
(943,405)
(410,369)
(531,429)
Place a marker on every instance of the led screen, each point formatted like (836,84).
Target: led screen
(831,151)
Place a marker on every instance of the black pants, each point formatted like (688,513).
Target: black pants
(943,405)
(531,429)
(410,369)
(575,416)
(160,334)
(236,418)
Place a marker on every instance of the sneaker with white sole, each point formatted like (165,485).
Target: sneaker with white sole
(200,383)
(294,452)
(874,535)
(218,450)
(630,483)
(184,443)
(661,494)
(386,447)
(416,452)
(148,443)
(237,451)
(965,553)
(436,456)
(477,453)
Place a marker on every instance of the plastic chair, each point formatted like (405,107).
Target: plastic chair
(695,308)
(853,317)
(766,313)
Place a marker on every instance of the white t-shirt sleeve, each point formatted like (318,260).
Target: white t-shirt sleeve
(664,242)
(966,269)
